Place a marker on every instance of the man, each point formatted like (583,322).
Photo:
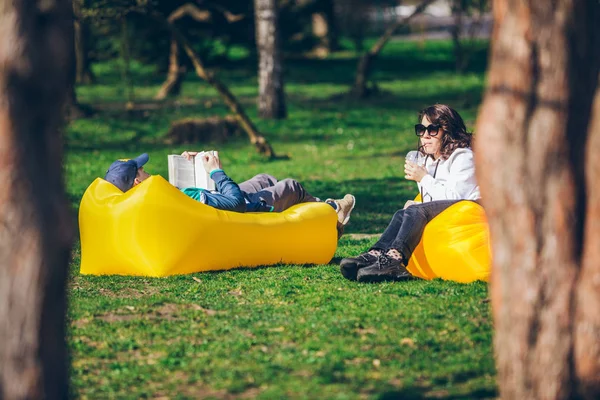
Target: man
(262,193)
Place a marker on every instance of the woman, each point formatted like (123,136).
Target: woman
(447,177)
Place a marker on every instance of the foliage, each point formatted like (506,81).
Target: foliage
(284,331)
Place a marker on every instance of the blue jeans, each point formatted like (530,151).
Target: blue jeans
(406,227)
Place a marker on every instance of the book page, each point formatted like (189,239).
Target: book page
(202,177)
(181,171)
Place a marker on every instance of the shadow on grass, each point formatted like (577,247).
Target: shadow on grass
(415,393)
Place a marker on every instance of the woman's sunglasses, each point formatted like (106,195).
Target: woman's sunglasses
(432,129)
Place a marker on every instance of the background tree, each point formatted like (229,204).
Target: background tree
(258,140)
(463,33)
(172,85)
(537,145)
(83,71)
(363,69)
(36,229)
(271,96)
(324,28)
(309,26)
(352,20)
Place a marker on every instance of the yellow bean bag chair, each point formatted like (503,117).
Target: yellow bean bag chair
(455,246)
(156,230)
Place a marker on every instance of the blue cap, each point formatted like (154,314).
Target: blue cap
(122,173)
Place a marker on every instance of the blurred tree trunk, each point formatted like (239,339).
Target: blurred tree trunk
(72,108)
(324,28)
(271,96)
(126,64)
(538,166)
(172,86)
(458,12)
(83,71)
(363,70)
(36,229)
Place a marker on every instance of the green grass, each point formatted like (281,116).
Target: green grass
(287,331)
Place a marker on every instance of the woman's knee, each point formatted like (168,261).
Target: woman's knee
(414,212)
(398,214)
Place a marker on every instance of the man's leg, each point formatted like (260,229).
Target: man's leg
(283,194)
(258,183)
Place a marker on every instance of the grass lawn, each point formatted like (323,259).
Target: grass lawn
(287,331)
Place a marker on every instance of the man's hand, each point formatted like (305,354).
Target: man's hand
(189,155)
(211,162)
(414,172)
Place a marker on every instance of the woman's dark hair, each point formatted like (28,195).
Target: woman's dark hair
(453,125)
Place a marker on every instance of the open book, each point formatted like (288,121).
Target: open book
(189,173)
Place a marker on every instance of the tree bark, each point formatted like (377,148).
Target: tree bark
(538,137)
(271,95)
(36,70)
(363,69)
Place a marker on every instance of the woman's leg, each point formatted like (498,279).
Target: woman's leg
(390,233)
(392,264)
(349,266)
(411,230)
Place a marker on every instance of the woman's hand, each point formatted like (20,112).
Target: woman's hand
(414,172)
(410,203)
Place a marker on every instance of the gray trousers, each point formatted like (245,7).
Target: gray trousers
(279,194)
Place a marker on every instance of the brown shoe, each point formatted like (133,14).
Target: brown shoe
(344,208)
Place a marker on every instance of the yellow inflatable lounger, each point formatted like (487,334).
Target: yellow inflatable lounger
(156,230)
(455,246)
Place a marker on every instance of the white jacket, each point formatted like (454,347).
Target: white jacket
(454,178)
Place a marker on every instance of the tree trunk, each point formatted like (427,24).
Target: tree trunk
(324,29)
(83,71)
(537,162)
(363,69)
(72,108)
(36,228)
(271,96)
(172,86)
(458,10)
(126,67)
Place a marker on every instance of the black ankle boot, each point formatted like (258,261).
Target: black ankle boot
(350,266)
(384,269)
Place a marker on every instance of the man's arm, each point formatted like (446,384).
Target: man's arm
(229,196)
